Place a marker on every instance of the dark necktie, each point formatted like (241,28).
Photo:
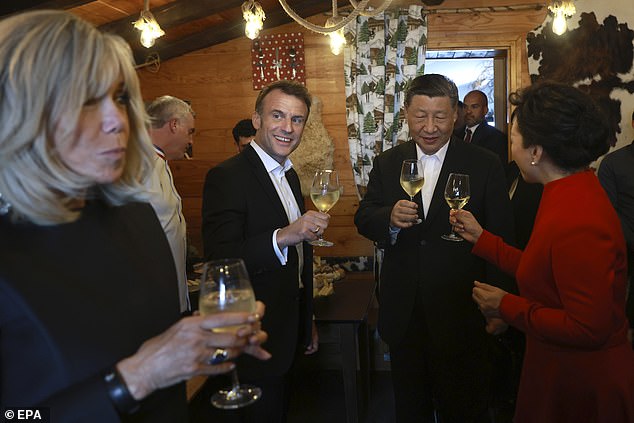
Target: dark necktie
(467,136)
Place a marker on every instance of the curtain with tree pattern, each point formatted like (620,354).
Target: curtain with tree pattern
(382,54)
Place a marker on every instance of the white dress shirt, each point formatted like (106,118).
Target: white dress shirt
(432,164)
(277,173)
(168,207)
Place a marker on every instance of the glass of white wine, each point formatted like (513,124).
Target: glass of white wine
(412,178)
(325,193)
(225,286)
(457,194)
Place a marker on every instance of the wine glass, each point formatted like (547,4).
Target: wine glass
(325,193)
(457,194)
(225,286)
(412,178)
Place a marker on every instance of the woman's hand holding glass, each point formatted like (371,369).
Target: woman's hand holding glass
(186,348)
(465,224)
(225,287)
(457,195)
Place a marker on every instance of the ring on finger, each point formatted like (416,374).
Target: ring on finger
(219,356)
(316,229)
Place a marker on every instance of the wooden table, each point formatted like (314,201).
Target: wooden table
(343,314)
(346,312)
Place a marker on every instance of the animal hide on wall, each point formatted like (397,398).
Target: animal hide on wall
(315,151)
(596,55)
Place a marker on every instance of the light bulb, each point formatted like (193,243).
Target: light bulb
(559,23)
(254,17)
(252,27)
(561,10)
(147,39)
(337,41)
(150,29)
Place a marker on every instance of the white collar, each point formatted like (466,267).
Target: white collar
(270,164)
(440,154)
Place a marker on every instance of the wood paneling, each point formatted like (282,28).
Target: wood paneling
(217,81)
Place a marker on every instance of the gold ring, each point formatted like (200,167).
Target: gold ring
(317,229)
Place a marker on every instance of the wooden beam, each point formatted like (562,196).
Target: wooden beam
(220,34)
(9,7)
(172,14)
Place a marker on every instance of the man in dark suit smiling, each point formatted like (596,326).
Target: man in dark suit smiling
(438,344)
(253,209)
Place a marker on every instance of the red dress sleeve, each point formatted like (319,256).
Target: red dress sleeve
(493,249)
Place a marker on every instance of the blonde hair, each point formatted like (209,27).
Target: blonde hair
(51,64)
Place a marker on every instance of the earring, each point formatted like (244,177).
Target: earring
(533,163)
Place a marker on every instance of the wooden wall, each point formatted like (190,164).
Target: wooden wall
(217,81)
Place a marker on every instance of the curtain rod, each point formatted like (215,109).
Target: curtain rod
(458,10)
(517,8)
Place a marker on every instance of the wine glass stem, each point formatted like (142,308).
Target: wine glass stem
(235,384)
(453,233)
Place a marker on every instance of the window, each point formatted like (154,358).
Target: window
(483,70)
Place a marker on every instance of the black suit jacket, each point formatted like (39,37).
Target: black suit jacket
(77,298)
(241,210)
(525,203)
(444,270)
(492,139)
(616,174)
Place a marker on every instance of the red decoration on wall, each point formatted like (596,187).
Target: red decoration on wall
(277,56)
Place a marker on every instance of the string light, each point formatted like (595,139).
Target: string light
(150,29)
(337,39)
(561,9)
(254,17)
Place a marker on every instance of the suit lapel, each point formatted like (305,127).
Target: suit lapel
(479,133)
(263,178)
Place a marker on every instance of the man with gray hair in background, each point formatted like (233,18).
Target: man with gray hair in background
(172,130)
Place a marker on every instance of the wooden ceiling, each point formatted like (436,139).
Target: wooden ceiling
(195,24)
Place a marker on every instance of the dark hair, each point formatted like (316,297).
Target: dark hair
(460,104)
(483,96)
(566,122)
(244,128)
(432,85)
(287,87)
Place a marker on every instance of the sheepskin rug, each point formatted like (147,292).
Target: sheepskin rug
(316,151)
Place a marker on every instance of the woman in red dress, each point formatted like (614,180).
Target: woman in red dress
(572,274)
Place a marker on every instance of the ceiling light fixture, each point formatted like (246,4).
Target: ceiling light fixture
(150,29)
(254,17)
(561,10)
(337,39)
(252,12)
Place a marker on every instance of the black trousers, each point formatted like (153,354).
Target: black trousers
(419,391)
